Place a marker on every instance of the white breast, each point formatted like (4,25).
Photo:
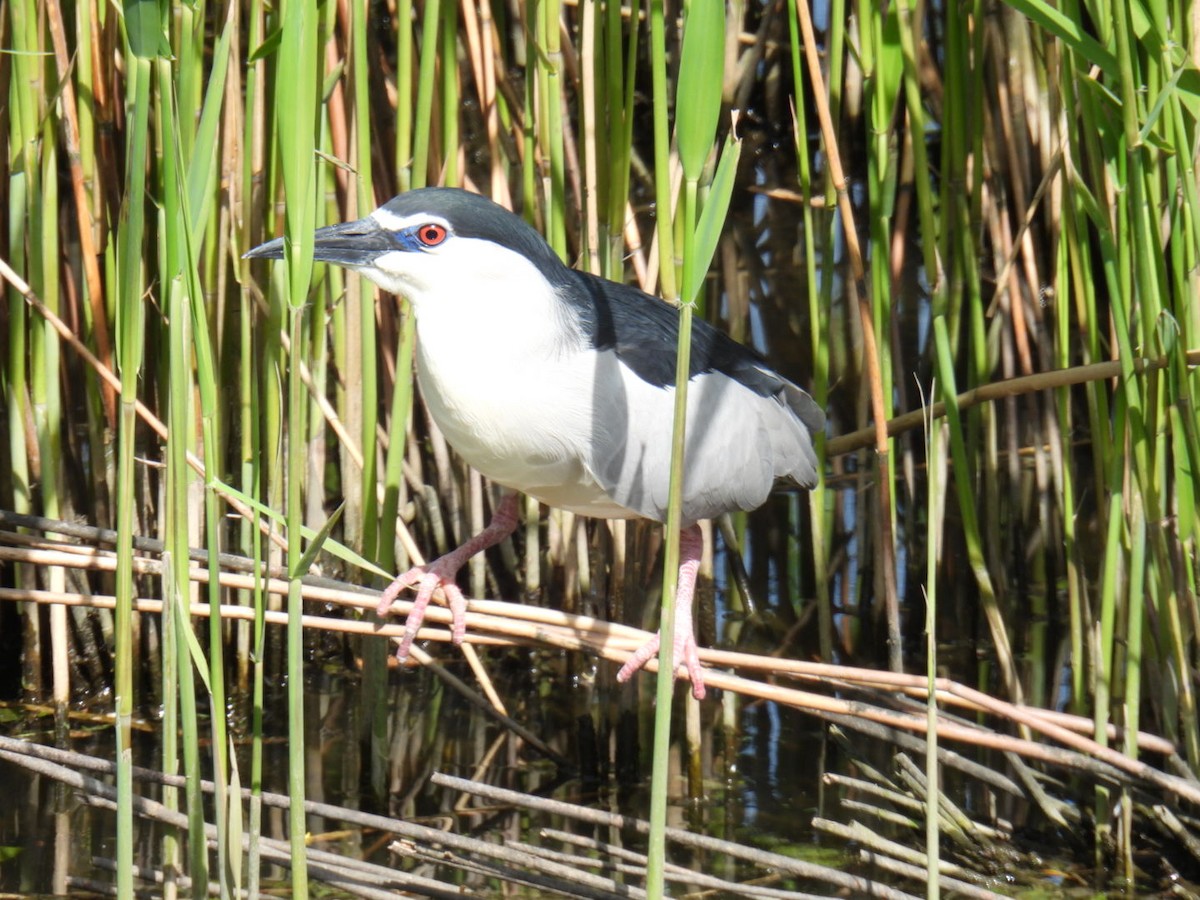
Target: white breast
(524,422)
(508,378)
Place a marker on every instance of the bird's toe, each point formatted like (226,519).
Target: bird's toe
(458,611)
(643,655)
(411,578)
(687,653)
(684,653)
(426,580)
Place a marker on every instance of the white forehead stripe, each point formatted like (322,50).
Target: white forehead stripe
(389,221)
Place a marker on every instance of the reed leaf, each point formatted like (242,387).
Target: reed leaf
(698,98)
(711,225)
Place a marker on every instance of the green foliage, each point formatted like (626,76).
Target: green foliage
(1026,189)
(698,91)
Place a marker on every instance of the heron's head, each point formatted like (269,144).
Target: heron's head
(435,240)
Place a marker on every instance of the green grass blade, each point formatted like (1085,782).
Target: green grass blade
(1069,31)
(130,341)
(698,96)
(712,217)
(935,490)
(333,547)
(297,95)
(967,507)
(425,84)
(315,545)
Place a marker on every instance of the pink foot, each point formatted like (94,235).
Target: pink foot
(691,545)
(440,575)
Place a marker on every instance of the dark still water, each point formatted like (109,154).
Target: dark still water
(766,774)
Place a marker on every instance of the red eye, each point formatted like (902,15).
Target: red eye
(431,234)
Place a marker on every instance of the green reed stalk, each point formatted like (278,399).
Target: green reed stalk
(228,849)
(696,107)
(450,101)
(549,69)
(591,71)
(296,458)
(917,128)
(981,421)
(1081,297)
(662,153)
(254,855)
(404,94)
(620,80)
(142,32)
(175,583)
(882,66)
(297,97)
(378,535)
(402,404)
(656,850)
(821,522)
(529,189)
(29,124)
(22,187)
(362,386)
(1067,501)
(196,202)
(935,469)
(176,259)
(1132,693)
(315,353)
(77,101)
(188,48)
(1142,275)
(177,587)
(250,428)
(178,672)
(665,683)
(41,211)
(425,85)
(955,129)
(967,507)
(1111,591)
(821,284)
(85,97)
(45,354)
(834,87)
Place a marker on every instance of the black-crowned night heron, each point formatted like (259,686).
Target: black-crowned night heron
(560,384)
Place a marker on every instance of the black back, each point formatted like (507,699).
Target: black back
(644,331)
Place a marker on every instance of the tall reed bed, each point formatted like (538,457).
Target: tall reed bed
(984,193)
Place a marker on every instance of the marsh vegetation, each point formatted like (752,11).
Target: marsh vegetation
(988,207)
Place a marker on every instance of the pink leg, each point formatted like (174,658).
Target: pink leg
(691,546)
(441,573)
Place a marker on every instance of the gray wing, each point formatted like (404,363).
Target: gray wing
(740,442)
